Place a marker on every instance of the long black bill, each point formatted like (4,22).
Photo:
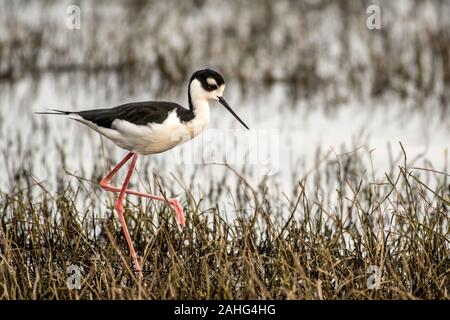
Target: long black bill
(226,105)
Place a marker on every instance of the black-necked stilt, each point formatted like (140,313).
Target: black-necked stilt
(152,127)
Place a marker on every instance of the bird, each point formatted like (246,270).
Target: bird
(151,127)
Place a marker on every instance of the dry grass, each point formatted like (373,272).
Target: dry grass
(321,250)
(316,243)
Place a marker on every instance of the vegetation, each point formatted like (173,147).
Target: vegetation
(322,249)
(329,235)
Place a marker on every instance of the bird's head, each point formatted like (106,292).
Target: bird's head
(209,85)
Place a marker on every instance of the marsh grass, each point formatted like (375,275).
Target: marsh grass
(321,249)
(317,242)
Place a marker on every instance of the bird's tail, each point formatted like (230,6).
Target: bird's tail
(54,111)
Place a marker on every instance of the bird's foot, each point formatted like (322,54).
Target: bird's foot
(137,266)
(179,213)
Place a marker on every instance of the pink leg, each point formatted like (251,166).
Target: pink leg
(114,171)
(104,183)
(119,207)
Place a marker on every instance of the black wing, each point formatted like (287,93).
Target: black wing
(139,113)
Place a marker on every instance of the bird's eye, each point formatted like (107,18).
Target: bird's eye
(212,87)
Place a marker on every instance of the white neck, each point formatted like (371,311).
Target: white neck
(201,110)
(199,98)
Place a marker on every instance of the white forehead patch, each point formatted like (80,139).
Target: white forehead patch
(211,81)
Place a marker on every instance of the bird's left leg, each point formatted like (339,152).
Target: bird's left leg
(104,183)
(172,201)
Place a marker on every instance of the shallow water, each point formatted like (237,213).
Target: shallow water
(283,139)
(301,76)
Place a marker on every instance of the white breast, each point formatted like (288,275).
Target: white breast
(156,137)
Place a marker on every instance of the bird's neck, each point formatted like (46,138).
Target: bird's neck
(198,102)
(200,108)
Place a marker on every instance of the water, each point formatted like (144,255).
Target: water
(312,83)
(282,140)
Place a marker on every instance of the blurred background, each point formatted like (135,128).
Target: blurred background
(314,83)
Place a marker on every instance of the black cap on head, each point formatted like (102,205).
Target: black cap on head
(210,81)
(204,75)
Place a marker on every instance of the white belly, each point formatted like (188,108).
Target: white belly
(154,138)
